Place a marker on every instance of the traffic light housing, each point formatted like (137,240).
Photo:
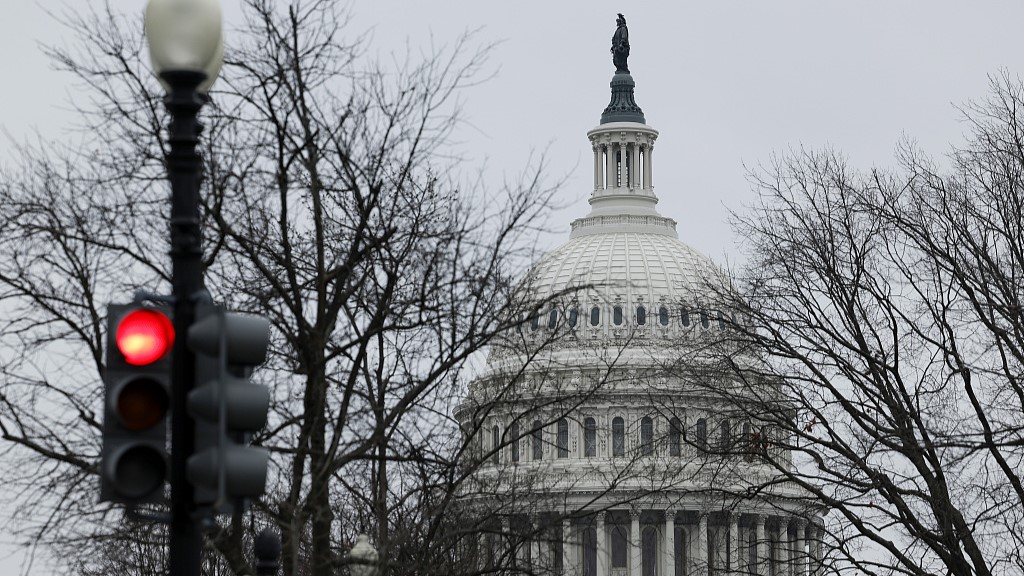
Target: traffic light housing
(134,460)
(226,407)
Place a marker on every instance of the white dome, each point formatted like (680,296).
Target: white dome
(623,279)
(630,267)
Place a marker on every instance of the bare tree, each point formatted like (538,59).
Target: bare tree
(328,208)
(885,308)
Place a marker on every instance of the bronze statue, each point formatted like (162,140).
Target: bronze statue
(620,45)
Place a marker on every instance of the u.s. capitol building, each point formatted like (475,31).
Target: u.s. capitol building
(611,436)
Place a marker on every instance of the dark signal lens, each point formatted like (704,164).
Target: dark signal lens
(141,404)
(144,336)
(139,471)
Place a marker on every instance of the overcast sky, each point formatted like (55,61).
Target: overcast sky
(726,84)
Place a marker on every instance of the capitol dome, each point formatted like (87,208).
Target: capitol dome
(601,436)
(630,279)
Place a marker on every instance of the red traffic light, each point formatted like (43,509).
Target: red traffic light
(144,336)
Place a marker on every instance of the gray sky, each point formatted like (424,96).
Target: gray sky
(726,84)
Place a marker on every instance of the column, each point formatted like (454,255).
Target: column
(797,557)
(734,545)
(602,546)
(646,148)
(814,534)
(568,547)
(635,540)
(598,169)
(702,544)
(650,166)
(762,546)
(668,548)
(782,552)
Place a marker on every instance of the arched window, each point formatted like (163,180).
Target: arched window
(723,322)
(618,436)
(641,315)
(620,542)
(573,317)
(684,316)
(595,316)
(663,316)
(725,436)
(619,171)
(553,319)
(702,434)
(617,315)
(590,551)
(675,428)
(538,440)
(681,547)
(535,320)
(563,438)
(704,321)
(646,436)
(649,545)
(589,438)
(495,445)
(768,439)
(514,432)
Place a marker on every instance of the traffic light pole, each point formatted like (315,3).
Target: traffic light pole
(184,169)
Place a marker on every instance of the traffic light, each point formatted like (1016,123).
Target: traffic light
(226,407)
(134,460)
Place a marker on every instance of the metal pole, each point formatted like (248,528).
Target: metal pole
(184,169)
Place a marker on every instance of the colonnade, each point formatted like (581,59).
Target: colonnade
(724,543)
(616,165)
(673,543)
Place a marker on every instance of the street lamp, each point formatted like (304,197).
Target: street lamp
(364,557)
(186,48)
(185,36)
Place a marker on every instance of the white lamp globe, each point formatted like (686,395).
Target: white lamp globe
(185,35)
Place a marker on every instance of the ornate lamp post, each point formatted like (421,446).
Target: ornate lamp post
(364,558)
(186,49)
